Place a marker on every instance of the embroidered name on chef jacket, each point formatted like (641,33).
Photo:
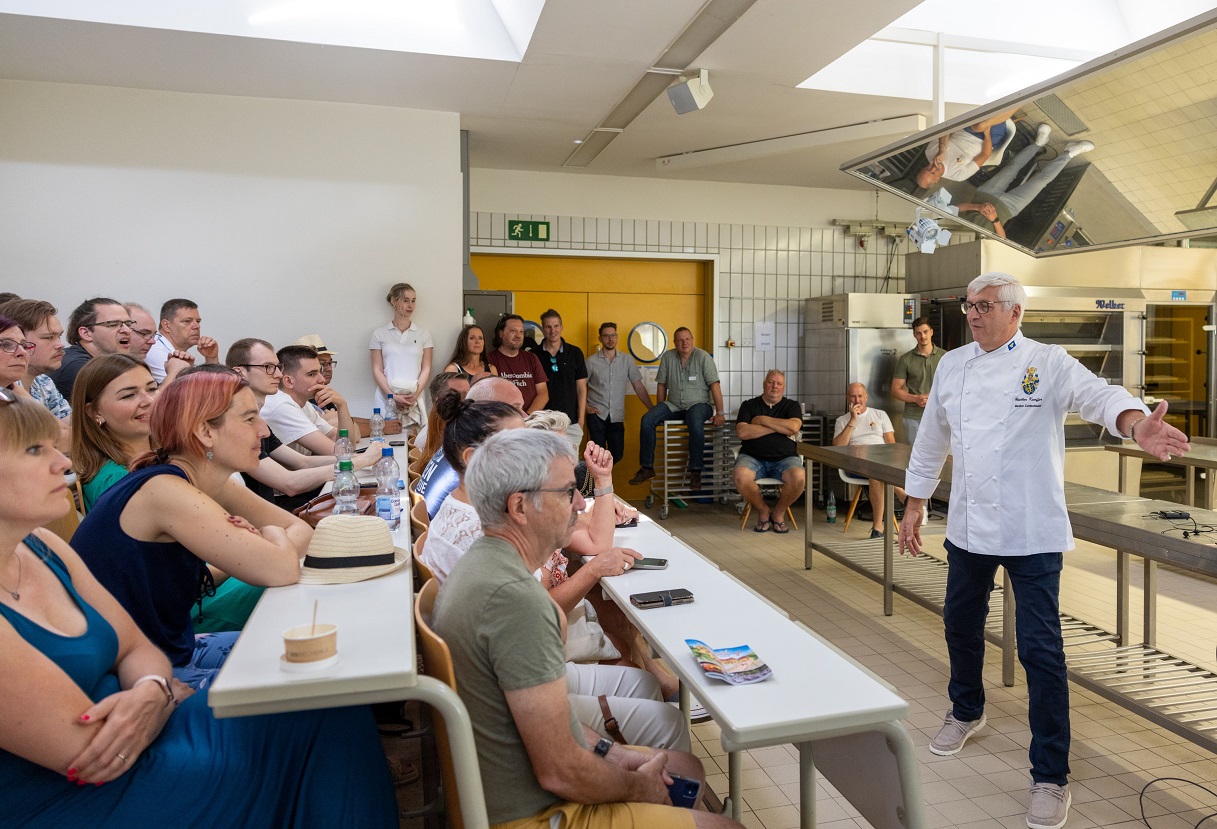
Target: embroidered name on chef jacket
(1030,382)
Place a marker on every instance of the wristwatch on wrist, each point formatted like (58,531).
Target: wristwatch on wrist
(602,747)
(606,490)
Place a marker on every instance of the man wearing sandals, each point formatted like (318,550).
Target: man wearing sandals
(769,425)
(863,425)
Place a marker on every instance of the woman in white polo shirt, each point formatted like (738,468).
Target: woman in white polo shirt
(401,359)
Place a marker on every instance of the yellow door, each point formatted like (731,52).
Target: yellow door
(589,291)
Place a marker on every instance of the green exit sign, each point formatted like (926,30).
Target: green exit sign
(522,231)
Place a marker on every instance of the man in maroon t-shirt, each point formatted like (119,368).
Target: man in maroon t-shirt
(519,366)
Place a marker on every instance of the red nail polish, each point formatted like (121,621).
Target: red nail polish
(84,717)
(99,782)
(71,772)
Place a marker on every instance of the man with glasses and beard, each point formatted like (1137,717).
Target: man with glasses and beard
(97,326)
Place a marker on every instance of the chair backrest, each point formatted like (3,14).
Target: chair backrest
(422,573)
(65,527)
(419,520)
(78,496)
(437,663)
(852,479)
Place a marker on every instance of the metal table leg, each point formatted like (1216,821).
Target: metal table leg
(1150,598)
(1122,597)
(1008,650)
(807,787)
(735,782)
(889,522)
(809,516)
(440,696)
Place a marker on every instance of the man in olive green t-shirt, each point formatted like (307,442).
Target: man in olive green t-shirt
(505,635)
(914,375)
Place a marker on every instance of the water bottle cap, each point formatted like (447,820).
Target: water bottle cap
(343,433)
(376,410)
(345,466)
(401,484)
(387,452)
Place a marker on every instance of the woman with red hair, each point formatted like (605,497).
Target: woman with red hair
(151,539)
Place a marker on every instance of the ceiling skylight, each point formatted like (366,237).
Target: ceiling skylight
(993,50)
(488,29)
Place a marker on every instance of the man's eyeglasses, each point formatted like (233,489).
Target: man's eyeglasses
(569,490)
(11,346)
(114,325)
(984,306)
(143,332)
(269,368)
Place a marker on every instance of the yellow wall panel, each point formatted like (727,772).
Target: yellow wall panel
(562,273)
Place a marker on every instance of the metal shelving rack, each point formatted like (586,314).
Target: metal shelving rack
(671,481)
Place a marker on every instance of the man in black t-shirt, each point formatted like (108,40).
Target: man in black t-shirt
(769,425)
(565,374)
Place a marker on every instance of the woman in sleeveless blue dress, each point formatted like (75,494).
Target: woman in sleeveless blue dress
(93,734)
(147,539)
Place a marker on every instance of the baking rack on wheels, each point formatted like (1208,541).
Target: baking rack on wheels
(671,482)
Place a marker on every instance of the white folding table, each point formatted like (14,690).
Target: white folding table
(843,719)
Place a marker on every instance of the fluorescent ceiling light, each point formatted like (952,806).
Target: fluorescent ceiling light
(487,29)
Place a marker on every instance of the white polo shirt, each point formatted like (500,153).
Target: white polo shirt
(872,425)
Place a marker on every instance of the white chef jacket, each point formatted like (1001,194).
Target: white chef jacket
(1000,415)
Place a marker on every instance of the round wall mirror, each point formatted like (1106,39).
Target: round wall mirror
(533,333)
(648,341)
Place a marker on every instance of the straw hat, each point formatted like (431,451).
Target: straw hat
(315,341)
(350,548)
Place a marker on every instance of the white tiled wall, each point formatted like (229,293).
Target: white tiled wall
(764,274)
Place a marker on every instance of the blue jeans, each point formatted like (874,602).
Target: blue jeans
(607,434)
(210,651)
(695,418)
(1036,580)
(997,189)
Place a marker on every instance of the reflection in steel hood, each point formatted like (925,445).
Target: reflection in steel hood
(1128,154)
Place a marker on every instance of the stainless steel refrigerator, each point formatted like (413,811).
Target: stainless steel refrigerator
(855,338)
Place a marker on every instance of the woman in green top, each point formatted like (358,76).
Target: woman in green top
(111,410)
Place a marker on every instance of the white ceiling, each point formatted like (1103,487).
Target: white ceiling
(583,57)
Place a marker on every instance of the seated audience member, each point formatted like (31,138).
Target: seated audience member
(298,478)
(97,326)
(95,702)
(469,356)
(37,319)
(505,635)
(150,539)
(7,296)
(14,353)
(143,335)
(431,437)
(859,426)
(768,427)
(438,477)
(180,330)
(294,420)
(326,359)
(111,421)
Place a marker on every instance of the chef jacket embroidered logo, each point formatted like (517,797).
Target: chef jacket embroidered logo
(1031,381)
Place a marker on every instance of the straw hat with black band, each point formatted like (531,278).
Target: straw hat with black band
(350,548)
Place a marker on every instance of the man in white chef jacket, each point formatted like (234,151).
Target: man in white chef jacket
(998,407)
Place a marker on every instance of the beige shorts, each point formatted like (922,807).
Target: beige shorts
(605,816)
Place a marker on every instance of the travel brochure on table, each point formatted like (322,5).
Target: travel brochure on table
(739,665)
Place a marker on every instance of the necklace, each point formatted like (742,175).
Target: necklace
(16,595)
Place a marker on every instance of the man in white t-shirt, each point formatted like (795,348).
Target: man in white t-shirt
(180,330)
(859,426)
(295,420)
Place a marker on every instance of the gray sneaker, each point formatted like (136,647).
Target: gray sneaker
(1049,806)
(954,733)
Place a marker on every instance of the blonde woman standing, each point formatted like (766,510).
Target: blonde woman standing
(401,359)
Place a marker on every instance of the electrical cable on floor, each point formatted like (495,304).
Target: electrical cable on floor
(1141,798)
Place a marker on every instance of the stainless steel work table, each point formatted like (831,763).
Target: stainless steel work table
(1180,696)
(1200,456)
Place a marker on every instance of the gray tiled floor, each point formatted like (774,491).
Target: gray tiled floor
(1115,753)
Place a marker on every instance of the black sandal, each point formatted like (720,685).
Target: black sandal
(762,526)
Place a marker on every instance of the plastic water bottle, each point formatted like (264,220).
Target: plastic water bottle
(388,495)
(391,409)
(346,490)
(378,424)
(468,318)
(832,508)
(344,449)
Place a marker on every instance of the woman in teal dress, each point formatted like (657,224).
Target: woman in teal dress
(111,425)
(97,733)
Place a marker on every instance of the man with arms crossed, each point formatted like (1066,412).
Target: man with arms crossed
(607,375)
(998,406)
(687,381)
(914,376)
(180,330)
(520,367)
(860,426)
(505,634)
(769,426)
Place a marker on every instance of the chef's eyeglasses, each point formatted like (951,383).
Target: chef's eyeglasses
(984,306)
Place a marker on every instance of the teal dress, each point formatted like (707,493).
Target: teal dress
(106,477)
(305,769)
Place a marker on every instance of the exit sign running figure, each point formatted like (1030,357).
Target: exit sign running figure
(522,231)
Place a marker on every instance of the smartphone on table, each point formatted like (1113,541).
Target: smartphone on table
(649,564)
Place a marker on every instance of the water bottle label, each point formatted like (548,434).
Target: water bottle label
(384,507)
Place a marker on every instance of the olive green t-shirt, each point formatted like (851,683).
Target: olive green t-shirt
(917,372)
(690,383)
(505,635)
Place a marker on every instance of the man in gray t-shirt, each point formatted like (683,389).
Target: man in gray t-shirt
(505,635)
(686,383)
